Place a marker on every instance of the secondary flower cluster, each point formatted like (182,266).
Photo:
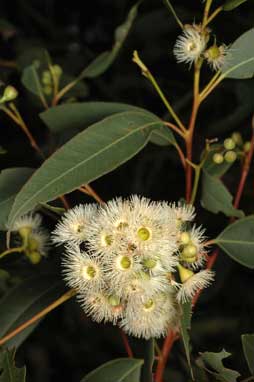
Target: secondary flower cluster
(33,237)
(191,45)
(133,262)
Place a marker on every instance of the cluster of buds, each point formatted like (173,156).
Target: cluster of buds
(191,46)
(133,262)
(34,239)
(233,147)
(49,77)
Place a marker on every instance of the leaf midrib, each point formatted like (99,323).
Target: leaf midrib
(81,163)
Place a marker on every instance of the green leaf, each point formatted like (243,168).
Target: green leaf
(11,181)
(9,372)
(79,115)
(25,300)
(163,137)
(105,59)
(237,240)
(232,4)
(30,79)
(248,349)
(212,363)
(185,329)
(92,153)
(216,198)
(240,61)
(118,370)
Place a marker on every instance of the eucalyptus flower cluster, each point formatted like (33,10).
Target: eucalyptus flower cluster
(192,45)
(133,262)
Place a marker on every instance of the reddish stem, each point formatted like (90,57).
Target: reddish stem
(167,346)
(245,170)
(126,344)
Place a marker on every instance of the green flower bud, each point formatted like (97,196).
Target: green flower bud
(229,144)
(46,78)
(10,93)
(246,147)
(34,257)
(189,251)
(57,70)
(237,138)
(47,89)
(230,156)
(185,238)
(184,273)
(218,158)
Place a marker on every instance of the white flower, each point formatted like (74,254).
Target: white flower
(81,271)
(216,56)
(189,45)
(190,287)
(149,317)
(74,224)
(182,213)
(31,221)
(144,284)
(102,306)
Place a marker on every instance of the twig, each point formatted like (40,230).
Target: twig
(39,315)
(126,344)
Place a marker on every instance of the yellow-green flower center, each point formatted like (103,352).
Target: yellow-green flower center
(150,263)
(144,233)
(107,240)
(149,304)
(114,300)
(125,262)
(121,225)
(80,228)
(90,272)
(213,52)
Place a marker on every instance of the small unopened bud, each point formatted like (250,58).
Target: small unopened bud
(46,78)
(246,147)
(57,70)
(185,238)
(25,232)
(230,156)
(47,89)
(189,251)
(237,138)
(229,144)
(34,257)
(10,93)
(218,158)
(184,273)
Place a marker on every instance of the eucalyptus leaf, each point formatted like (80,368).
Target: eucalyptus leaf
(185,330)
(118,370)
(9,372)
(216,198)
(30,79)
(237,240)
(163,137)
(79,115)
(232,4)
(99,149)
(24,301)
(248,349)
(105,59)
(240,58)
(11,181)
(212,363)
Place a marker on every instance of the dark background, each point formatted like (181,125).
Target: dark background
(66,345)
